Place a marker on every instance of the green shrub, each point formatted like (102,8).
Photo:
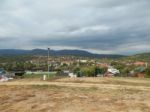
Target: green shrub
(147,73)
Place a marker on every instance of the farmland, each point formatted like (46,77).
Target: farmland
(76,95)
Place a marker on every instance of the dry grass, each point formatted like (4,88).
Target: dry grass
(106,80)
(52,98)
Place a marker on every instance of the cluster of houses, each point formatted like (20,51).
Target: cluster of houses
(58,63)
(137,71)
(111,72)
(6,76)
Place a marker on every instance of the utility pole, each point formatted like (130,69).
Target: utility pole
(48,61)
(146,64)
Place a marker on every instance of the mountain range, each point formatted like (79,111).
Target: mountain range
(16,52)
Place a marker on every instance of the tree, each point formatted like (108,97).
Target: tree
(125,72)
(147,73)
(88,71)
(100,70)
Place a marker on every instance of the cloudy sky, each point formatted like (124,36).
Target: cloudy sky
(99,26)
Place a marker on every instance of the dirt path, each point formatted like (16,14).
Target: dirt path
(69,84)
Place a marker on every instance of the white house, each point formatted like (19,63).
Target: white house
(112,70)
(72,75)
(82,61)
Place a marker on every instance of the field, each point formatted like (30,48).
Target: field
(76,95)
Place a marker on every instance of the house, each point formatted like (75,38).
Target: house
(139,63)
(68,63)
(111,72)
(66,71)
(18,73)
(138,72)
(82,61)
(141,75)
(72,75)
(103,65)
(3,78)
(2,72)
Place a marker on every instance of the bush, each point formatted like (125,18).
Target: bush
(147,73)
(88,71)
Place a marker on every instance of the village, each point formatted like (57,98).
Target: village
(71,66)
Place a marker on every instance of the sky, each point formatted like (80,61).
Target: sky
(98,26)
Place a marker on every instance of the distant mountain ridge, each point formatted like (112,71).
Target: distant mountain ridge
(141,56)
(9,52)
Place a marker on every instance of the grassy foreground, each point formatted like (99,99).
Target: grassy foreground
(49,97)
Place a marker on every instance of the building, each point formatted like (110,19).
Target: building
(72,75)
(138,72)
(2,72)
(139,63)
(3,77)
(82,61)
(111,72)
(102,65)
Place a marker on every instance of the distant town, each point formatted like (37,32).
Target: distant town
(73,66)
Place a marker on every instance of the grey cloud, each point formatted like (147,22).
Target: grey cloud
(103,25)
